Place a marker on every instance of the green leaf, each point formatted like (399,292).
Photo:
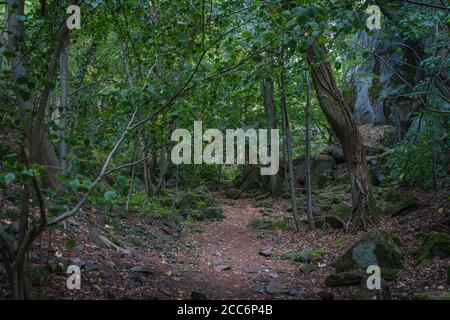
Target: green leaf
(109,195)
(9,178)
(74,185)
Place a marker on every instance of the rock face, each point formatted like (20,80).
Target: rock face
(321,170)
(434,245)
(377,247)
(376,139)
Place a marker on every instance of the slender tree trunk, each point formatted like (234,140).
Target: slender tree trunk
(339,116)
(309,210)
(64,67)
(42,150)
(269,107)
(287,131)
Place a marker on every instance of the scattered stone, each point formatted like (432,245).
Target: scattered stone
(296,291)
(195,295)
(79,261)
(376,247)
(259,288)
(343,279)
(220,266)
(143,269)
(434,245)
(274,287)
(264,278)
(266,252)
(90,266)
(119,254)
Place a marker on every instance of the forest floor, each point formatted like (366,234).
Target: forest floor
(224,259)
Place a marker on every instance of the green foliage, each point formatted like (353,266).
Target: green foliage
(421,157)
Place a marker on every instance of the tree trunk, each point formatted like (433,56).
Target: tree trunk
(269,107)
(64,67)
(42,150)
(339,116)
(287,131)
(309,210)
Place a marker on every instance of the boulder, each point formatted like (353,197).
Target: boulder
(434,245)
(337,220)
(401,205)
(336,151)
(376,247)
(377,139)
(143,270)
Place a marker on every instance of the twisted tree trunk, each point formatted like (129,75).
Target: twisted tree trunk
(339,116)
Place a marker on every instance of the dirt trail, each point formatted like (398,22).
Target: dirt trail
(231,243)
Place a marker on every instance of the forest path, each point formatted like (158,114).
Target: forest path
(224,260)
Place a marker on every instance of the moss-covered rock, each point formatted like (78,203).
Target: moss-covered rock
(401,205)
(194,200)
(434,245)
(432,295)
(376,247)
(448,275)
(306,255)
(339,217)
(343,279)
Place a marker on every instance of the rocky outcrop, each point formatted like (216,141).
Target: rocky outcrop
(321,170)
